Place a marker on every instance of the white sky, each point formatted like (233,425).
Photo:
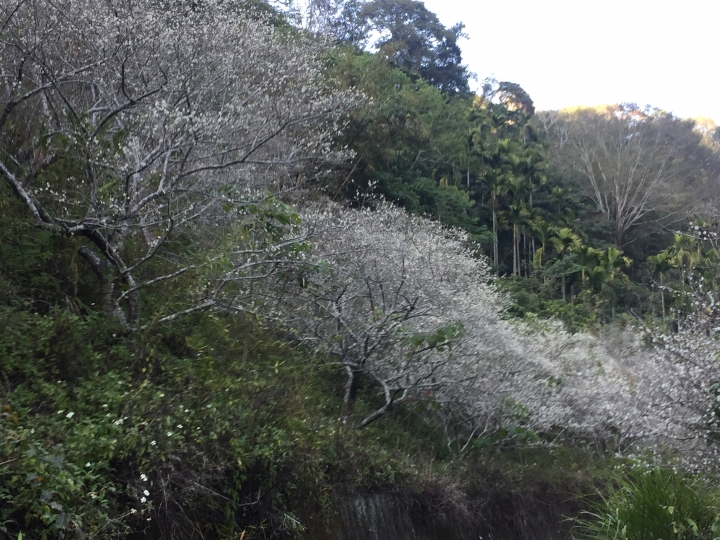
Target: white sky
(665,53)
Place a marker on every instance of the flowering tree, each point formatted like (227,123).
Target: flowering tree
(368,296)
(682,377)
(406,304)
(137,124)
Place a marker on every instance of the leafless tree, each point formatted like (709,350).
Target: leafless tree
(636,162)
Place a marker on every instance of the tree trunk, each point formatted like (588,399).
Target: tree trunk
(515,265)
(495,241)
(619,238)
(100,268)
(389,401)
(351,387)
(662,297)
(532,243)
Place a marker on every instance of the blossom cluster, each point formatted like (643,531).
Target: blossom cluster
(410,305)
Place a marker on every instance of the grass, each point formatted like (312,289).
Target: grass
(659,504)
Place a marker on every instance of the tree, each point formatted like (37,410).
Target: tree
(684,253)
(410,142)
(340,20)
(404,32)
(405,305)
(374,295)
(137,125)
(517,216)
(500,161)
(543,231)
(637,163)
(661,265)
(415,41)
(510,104)
(565,241)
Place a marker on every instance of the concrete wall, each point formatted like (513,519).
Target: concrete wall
(392,516)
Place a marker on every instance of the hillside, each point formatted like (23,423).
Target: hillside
(260,283)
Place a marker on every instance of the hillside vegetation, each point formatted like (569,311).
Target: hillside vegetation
(253,261)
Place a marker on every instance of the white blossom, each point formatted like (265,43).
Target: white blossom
(179,119)
(406,303)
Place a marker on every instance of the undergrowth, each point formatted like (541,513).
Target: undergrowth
(655,504)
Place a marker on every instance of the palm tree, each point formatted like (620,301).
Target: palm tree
(565,241)
(558,195)
(588,258)
(517,216)
(684,253)
(496,181)
(543,231)
(532,215)
(613,260)
(601,271)
(570,220)
(605,274)
(662,265)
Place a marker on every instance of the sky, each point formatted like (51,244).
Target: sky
(589,52)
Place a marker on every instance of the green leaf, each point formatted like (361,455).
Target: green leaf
(107,186)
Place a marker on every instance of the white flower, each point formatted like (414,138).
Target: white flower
(133,511)
(61,411)
(146,493)
(179,426)
(88,464)
(143,499)
(143,477)
(152,443)
(70,415)
(169,433)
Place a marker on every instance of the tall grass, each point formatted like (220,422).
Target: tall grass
(654,505)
